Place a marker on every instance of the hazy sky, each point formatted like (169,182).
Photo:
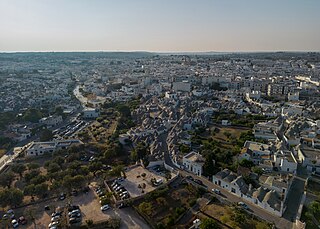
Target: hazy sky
(160,25)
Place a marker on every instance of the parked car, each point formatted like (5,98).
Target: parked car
(47,207)
(62,196)
(75,215)
(74,211)
(54,214)
(14,223)
(105,207)
(55,218)
(73,207)
(122,205)
(198,181)
(53,224)
(216,191)
(74,220)
(22,220)
(10,211)
(120,179)
(243,205)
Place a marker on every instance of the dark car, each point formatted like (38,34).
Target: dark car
(47,207)
(189,177)
(74,192)
(198,181)
(75,215)
(73,207)
(22,220)
(122,205)
(62,196)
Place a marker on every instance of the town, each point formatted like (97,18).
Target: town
(160,140)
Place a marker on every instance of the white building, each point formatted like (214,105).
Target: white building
(193,162)
(255,152)
(285,161)
(91,113)
(41,148)
(51,120)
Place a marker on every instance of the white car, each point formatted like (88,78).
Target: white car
(74,212)
(14,223)
(53,224)
(105,207)
(216,191)
(55,218)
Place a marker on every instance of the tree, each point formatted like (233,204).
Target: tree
(257,170)
(208,223)
(29,190)
(12,197)
(6,179)
(18,168)
(53,168)
(246,163)
(41,189)
(116,171)
(32,115)
(95,166)
(46,135)
(208,166)
(33,166)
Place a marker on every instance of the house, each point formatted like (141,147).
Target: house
(255,152)
(193,162)
(41,148)
(285,161)
(51,121)
(268,130)
(225,123)
(309,157)
(91,113)
(270,195)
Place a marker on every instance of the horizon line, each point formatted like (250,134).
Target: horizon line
(160,52)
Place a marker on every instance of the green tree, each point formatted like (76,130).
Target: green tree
(257,170)
(95,166)
(6,179)
(18,168)
(116,171)
(208,166)
(208,223)
(33,165)
(32,115)
(246,163)
(53,168)
(41,189)
(46,135)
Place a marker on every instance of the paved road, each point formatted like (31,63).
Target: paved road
(130,219)
(294,195)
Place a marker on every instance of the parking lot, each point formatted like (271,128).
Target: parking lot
(88,203)
(138,181)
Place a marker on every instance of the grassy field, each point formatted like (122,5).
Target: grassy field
(166,208)
(233,217)
(222,133)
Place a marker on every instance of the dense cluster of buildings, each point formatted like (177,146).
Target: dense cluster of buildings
(178,94)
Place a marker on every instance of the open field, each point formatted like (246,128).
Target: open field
(165,206)
(139,176)
(233,217)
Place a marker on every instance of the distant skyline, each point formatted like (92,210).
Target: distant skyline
(160,26)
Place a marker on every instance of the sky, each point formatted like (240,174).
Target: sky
(160,25)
